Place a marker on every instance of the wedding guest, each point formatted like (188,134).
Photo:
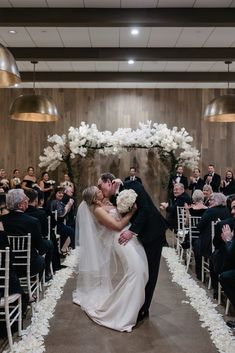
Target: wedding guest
(3,206)
(67,235)
(227,186)
(207,192)
(133,175)
(196,182)
(15,182)
(30,180)
(179,199)
(67,182)
(70,216)
(4,182)
(212,179)
(46,185)
(17,222)
(179,177)
(203,245)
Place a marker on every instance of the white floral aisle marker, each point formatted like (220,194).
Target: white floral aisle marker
(32,340)
(220,334)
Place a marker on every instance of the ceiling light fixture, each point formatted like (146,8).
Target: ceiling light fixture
(221,109)
(9,73)
(34,107)
(134,31)
(131,61)
(12,31)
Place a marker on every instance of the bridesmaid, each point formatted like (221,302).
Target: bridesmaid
(29,180)
(46,186)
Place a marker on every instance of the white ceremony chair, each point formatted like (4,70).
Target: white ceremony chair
(182,230)
(21,247)
(10,305)
(193,234)
(205,261)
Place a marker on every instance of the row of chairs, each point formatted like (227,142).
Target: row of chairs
(187,225)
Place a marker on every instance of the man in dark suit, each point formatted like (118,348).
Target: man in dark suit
(148,224)
(196,182)
(16,222)
(40,214)
(133,176)
(179,177)
(212,179)
(227,277)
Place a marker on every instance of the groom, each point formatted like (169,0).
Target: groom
(147,223)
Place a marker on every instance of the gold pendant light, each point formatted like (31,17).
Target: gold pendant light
(222,108)
(9,74)
(34,107)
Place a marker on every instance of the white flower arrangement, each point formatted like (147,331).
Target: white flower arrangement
(220,333)
(16,181)
(126,200)
(159,136)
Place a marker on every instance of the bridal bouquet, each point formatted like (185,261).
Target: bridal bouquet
(51,182)
(16,181)
(126,200)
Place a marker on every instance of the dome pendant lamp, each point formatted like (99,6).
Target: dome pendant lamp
(34,107)
(221,109)
(9,74)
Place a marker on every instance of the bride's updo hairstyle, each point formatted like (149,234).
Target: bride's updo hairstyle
(89,194)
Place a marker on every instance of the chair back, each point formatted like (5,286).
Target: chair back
(193,230)
(21,247)
(181,219)
(4,271)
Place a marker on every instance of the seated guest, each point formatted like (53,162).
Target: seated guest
(196,209)
(196,182)
(203,245)
(227,186)
(70,216)
(46,185)
(227,277)
(30,180)
(16,222)
(41,215)
(212,179)
(207,192)
(67,235)
(218,257)
(180,198)
(15,182)
(133,175)
(14,283)
(67,182)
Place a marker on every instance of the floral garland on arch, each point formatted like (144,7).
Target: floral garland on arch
(171,144)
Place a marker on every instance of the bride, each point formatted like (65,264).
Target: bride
(114,306)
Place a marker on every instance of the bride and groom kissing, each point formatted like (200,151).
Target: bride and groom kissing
(135,238)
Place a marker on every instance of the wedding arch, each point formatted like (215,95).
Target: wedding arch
(172,146)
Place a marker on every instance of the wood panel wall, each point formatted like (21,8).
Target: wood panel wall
(21,143)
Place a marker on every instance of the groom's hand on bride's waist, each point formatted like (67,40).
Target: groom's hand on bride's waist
(125,237)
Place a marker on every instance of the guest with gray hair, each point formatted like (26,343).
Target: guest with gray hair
(217,211)
(16,222)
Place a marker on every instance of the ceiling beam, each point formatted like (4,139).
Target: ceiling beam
(116,17)
(128,76)
(123,54)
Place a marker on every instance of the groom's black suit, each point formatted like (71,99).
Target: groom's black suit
(150,226)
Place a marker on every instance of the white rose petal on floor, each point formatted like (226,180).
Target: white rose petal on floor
(220,334)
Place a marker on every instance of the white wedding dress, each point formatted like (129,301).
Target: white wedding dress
(114,306)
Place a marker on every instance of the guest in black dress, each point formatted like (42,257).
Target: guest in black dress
(46,186)
(228,184)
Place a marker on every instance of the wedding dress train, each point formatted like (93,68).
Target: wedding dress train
(115,307)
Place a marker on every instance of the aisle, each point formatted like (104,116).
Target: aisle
(173,326)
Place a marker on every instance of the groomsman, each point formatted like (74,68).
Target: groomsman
(196,182)
(133,176)
(178,178)
(212,178)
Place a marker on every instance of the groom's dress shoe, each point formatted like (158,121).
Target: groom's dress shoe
(142,315)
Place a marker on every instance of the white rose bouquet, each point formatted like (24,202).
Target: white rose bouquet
(51,182)
(126,200)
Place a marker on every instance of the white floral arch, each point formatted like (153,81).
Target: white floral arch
(173,146)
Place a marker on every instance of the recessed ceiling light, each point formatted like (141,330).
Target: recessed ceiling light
(131,61)
(134,31)
(12,31)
